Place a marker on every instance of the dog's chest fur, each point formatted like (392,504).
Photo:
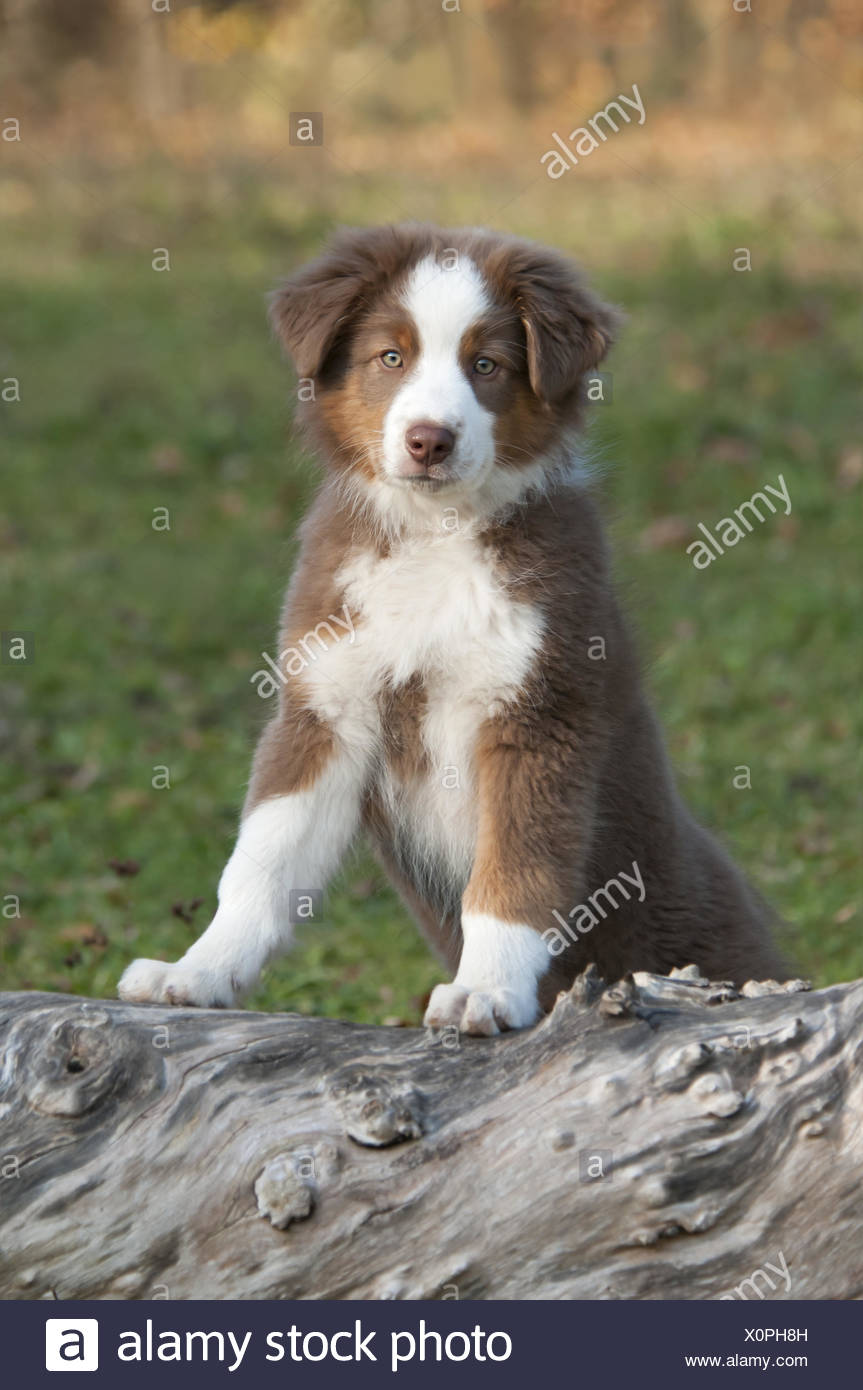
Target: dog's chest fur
(440,646)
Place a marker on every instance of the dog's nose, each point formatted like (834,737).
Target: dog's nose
(428,444)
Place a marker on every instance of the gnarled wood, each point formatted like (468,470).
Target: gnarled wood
(150,1152)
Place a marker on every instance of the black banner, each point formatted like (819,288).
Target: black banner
(365,1344)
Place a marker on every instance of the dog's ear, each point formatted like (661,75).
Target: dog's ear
(312,308)
(568,328)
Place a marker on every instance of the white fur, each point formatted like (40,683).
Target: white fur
(443,303)
(496,984)
(286,842)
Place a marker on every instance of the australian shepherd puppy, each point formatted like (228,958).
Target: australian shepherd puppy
(485,722)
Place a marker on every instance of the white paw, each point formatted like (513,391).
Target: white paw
(159,982)
(481,1012)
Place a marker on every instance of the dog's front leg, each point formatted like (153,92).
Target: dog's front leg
(532,814)
(300,816)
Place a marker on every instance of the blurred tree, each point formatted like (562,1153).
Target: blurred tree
(516,27)
(688,52)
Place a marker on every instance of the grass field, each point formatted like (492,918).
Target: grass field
(143,390)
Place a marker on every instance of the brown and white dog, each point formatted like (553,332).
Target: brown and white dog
(486,725)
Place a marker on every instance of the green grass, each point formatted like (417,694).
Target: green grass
(142,391)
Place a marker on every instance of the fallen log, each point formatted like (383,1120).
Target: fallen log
(663,1138)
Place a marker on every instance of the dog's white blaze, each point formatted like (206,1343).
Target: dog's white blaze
(443,303)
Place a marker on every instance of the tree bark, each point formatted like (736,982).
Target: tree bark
(663,1138)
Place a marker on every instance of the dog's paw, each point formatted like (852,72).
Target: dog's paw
(159,982)
(480,1012)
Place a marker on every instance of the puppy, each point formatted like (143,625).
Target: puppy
(456,678)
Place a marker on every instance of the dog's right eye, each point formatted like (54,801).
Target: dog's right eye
(391,358)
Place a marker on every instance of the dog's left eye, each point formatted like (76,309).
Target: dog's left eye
(484,366)
(391,358)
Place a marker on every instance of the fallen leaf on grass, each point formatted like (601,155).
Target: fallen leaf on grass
(729,448)
(664,532)
(850,469)
(167,458)
(814,844)
(792,326)
(124,868)
(231,503)
(184,912)
(87,933)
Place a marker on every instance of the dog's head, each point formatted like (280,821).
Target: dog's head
(438,359)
